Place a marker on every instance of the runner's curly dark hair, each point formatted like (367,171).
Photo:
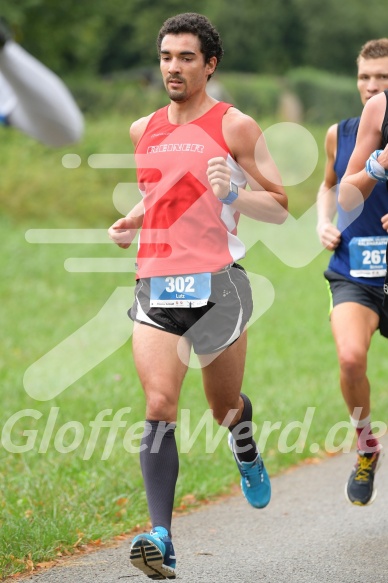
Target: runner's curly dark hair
(200,26)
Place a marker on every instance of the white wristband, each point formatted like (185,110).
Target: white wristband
(374,169)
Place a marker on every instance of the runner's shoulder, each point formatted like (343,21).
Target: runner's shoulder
(240,125)
(236,116)
(331,141)
(138,127)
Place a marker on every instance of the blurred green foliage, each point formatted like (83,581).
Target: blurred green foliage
(106,52)
(258,95)
(325,97)
(259,36)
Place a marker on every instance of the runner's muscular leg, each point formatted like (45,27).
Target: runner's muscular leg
(222,380)
(353,326)
(161,371)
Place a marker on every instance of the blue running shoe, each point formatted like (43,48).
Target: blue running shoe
(255,483)
(154,554)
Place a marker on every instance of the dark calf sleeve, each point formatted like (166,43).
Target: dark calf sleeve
(243,433)
(159,464)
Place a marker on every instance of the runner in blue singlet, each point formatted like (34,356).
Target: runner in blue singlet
(356,271)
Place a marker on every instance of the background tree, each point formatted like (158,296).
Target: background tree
(334,31)
(259,35)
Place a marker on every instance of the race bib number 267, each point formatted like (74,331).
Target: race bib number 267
(368,256)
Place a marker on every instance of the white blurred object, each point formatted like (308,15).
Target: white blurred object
(34,99)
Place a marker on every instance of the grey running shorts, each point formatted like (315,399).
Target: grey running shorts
(209,328)
(343,290)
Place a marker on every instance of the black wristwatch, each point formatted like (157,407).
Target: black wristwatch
(233,194)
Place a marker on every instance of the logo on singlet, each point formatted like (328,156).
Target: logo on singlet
(199,148)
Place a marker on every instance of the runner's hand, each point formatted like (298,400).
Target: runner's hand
(329,235)
(123,231)
(218,173)
(384,222)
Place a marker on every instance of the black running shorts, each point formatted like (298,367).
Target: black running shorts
(343,290)
(209,328)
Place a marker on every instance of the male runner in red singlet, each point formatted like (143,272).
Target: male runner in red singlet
(195,158)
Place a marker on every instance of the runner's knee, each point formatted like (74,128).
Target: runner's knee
(353,362)
(161,406)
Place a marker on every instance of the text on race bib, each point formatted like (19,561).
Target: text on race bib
(180,291)
(368,256)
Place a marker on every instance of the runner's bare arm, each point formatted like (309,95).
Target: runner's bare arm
(266,200)
(328,233)
(356,184)
(124,230)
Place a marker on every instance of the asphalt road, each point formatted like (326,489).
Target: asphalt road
(308,534)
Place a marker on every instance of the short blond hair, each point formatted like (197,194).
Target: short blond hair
(374,49)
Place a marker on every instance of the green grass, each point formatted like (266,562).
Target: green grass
(49,500)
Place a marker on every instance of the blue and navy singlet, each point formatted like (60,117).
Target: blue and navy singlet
(368,223)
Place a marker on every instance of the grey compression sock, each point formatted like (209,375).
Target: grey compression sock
(160,464)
